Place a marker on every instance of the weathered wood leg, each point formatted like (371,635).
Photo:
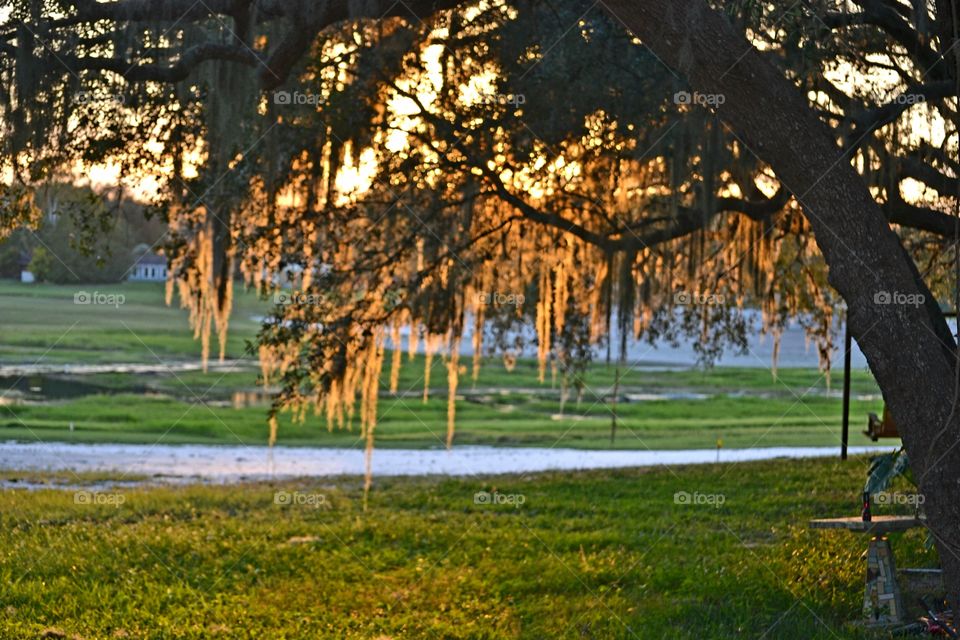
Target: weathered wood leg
(882,603)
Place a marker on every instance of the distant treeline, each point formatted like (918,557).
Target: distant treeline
(71,245)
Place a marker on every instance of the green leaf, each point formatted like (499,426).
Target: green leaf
(885,468)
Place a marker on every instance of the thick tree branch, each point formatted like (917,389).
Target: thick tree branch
(872,119)
(153,11)
(882,16)
(922,218)
(309,18)
(160,73)
(913,167)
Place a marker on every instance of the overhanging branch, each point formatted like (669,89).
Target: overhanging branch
(176,72)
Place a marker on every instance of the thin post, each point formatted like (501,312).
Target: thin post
(845,438)
(613,409)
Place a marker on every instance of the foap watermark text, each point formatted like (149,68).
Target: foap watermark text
(299,499)
(702,99)
(898,298)
(715,500)
(99,498)
(494,497)
(99,298)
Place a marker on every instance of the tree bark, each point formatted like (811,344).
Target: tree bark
(908,346)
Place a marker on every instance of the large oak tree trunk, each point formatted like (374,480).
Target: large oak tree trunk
(909,347)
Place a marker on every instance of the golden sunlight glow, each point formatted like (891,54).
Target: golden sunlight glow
(541,176)
(355,176)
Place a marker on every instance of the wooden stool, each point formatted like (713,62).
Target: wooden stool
(882,602)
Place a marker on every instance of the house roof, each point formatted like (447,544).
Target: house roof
(152,259)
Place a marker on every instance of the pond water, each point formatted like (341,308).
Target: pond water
(232,463)
(38,387)
(41,369)
(34,383)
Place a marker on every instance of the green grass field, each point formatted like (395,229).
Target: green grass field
(606,554)
(44,320)
(742,407)
(517,421)
(586,555)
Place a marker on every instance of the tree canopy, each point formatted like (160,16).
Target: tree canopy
(508,164)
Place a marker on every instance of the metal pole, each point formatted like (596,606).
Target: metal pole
(845,438)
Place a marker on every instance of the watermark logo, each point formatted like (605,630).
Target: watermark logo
(911,499)
(299,499)
(702,99)
(97,297)
(296,297)
(501,299)
(714,500)
(100,498)
(284,98)
(697,298)
(92,97)
(897,298)
(909,98)
(515,99)
(495,497)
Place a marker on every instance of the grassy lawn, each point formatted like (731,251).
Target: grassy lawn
(587,555)
(511,420)
(43,320)
(743,407)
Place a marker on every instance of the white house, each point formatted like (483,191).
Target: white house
(149,267)
(26,276)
